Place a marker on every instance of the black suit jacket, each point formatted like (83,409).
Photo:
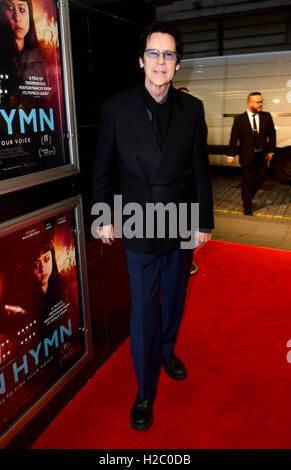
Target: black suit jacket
(242,140)
(177,173)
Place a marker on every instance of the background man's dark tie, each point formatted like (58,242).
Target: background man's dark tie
(256,134)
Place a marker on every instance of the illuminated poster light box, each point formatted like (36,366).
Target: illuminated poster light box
(45,337)
(38,135)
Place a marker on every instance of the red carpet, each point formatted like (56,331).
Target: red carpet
(233,339)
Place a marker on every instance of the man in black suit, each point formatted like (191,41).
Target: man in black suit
(253,138)
(157,135)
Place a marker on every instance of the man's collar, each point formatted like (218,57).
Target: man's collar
(250,113)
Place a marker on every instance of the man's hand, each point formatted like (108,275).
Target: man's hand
(269,157)
(106,234)
(201,238)
(229,161)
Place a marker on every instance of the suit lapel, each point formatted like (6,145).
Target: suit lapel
(142,128)
(172,133)
(261,120)
(247,122)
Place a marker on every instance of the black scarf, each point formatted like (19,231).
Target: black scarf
(161,113)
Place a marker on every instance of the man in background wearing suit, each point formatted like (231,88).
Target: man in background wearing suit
(253,138)
(157,136)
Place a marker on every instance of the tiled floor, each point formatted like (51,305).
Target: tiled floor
(271,224)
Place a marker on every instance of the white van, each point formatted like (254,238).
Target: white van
(223,84)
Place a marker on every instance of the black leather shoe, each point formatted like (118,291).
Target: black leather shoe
(248,212)
(141,416)
(175,368)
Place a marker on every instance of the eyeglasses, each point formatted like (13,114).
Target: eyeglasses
(155,54)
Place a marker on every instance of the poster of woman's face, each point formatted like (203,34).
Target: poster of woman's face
(17,15)
(34,92)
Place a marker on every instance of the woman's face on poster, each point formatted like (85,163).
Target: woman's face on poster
(17,16)
(42,268)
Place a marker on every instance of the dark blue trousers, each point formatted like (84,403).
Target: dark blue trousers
(158,286)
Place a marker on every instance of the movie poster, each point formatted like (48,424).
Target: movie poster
(33,129)
(42,326)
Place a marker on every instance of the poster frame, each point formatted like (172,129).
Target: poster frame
(16,224)
(73,167)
